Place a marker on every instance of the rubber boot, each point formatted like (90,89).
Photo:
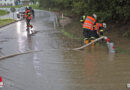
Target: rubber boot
(92,39)
(93,44)
(86,41)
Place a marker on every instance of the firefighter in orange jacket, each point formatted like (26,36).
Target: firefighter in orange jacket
(99,29)
(28,17)
(88,28)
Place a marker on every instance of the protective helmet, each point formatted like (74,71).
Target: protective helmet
(27,8)
(95,16)
(104,25)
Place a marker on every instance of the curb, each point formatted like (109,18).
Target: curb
(10,23)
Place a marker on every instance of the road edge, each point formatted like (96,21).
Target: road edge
(10,23)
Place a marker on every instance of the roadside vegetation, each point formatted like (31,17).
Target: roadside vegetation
(5,21)
(108,10)
(17,6)
(3,12)
(113,12)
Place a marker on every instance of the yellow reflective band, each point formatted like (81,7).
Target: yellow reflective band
(85,38)
(92,37)
(83,17)
(81,20)
(101,30)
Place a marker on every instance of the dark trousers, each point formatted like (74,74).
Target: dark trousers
(28,22)
(92,34)
(96,34)
(87,33)
(101,33)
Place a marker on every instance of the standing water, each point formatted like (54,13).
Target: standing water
(98,68)
(56,67)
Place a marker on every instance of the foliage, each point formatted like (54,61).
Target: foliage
(109,10)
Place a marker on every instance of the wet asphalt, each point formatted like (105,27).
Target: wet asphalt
(56,67)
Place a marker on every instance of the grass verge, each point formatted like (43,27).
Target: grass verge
(5,21)
(18,6)
(3,12)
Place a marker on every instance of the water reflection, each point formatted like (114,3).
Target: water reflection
(89,66)
(21,37)
(29,42)
(111,56)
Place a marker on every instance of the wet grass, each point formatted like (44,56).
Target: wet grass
(70,35)
(74,28)
(5,21)
(3,12)
(17,6)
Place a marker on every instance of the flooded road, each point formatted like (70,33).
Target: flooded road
(56,67)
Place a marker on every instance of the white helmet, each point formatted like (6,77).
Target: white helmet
(104,25)
(95,16)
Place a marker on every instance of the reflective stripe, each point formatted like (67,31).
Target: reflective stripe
(92,38)
(101,30)
(84,17)
(85,39)
(81,20)
(88,24)
(90,20)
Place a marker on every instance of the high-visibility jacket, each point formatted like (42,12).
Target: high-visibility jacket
(98,26)
(0,79)
(27,11)
(28,16)
(89,23)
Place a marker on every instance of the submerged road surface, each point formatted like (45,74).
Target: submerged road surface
(56,67)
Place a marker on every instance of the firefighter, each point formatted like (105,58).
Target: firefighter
(101,31)
(28,17)
(88,28)
(98,29)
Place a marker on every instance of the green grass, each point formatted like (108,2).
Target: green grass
(3,12)
(70,35)
(5,21)
(18,6)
